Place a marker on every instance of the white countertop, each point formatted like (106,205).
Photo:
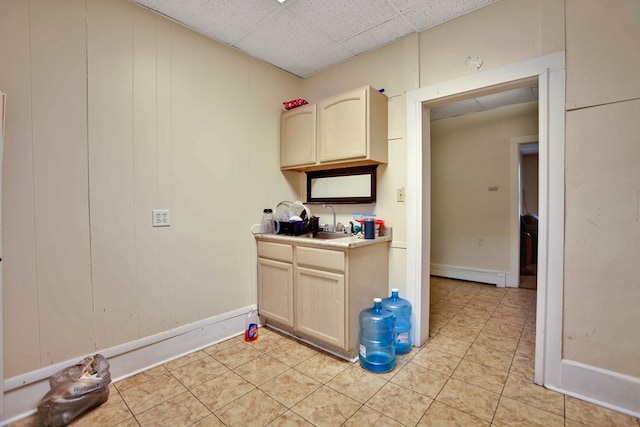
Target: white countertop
(346,242)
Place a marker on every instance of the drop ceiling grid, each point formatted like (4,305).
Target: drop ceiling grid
(287,39)
(308,36)
(354,16)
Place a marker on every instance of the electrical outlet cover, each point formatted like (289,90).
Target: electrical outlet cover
(161,218)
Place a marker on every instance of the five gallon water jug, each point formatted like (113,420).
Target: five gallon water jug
(376,338)
(402,309)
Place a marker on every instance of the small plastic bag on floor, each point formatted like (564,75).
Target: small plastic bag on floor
(75,390)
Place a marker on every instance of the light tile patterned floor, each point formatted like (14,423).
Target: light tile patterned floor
(476,370)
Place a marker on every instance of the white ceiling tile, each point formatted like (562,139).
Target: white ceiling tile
(302,36)
(283,39)
(224,20)
(517,96)
(304,67)
(403,5)
(339,19)
(433,12)
(456,109)
(378,36)
(484,103)
(534,92)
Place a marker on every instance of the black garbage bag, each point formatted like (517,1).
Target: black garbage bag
(75,390)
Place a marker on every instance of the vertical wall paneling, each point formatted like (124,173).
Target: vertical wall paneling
(602,52)
(111,171)
(166,286)
(216,167)
(2,107)
(145,171)
(502,33)
(552,19)
(602,235)
(58,59)
(116,111)
(185,105)
(20,292)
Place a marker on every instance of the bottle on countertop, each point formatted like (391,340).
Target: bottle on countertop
(269,224)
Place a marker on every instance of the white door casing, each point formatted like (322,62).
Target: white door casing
(2,115)
(549,71)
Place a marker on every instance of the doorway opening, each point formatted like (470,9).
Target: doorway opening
(528,177)
(477,183)
(478,190)
(548,72)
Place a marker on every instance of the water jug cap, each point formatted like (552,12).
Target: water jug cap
(267,210)
(377,300)
(394,290)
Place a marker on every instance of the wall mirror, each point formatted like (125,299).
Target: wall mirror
(347,185)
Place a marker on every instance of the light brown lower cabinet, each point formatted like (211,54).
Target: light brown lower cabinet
(320,305)
(316,293)
(275,295)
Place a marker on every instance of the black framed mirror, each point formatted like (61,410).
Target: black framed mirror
(346,185)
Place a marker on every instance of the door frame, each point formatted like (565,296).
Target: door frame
(516,205)
(549,72)
(3,101)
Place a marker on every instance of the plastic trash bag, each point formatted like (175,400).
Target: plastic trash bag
(75,390)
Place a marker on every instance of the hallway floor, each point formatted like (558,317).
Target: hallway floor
(476,370)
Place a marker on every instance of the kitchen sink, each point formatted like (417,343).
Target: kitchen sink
(326,235)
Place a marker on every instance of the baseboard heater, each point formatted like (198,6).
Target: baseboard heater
(494,277)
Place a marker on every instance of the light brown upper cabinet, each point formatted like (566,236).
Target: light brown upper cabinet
(298,137)
(351,130)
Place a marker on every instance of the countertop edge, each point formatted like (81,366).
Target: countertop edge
(347,242)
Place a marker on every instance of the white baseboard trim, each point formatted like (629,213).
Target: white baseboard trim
(605,388)
(494,277)
(23,392)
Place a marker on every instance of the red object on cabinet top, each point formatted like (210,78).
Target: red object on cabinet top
(294,103)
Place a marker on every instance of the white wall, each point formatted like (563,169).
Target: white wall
(529,183)
(501,33)
(468,154)
(61,251)
(393,68)
(602,285)
(114,111)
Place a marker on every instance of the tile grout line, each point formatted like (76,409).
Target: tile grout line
(501,394)
(461,359)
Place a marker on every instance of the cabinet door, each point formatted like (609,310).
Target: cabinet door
(342,126)
(275,291)
(320,303)
(298,136)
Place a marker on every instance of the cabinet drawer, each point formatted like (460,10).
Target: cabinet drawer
(277,251)
(321,258)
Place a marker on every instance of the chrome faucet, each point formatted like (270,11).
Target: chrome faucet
(334,216)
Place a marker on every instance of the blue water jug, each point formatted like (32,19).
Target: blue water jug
(402,309)
(376,338)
